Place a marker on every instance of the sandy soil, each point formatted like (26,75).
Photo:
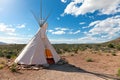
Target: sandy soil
(103,67)
(55,72)
(102,63)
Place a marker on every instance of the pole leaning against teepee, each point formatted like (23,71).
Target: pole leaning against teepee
(39,50)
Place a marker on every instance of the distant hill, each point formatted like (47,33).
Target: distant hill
(115,41)
(3,43)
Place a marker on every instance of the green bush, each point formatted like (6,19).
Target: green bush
(118,47)
(13,68)
(118,72)
(1,55)
(82,48)
(89,59)
(8,56)
(110,45)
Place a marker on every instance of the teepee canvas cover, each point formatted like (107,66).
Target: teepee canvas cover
(34,52)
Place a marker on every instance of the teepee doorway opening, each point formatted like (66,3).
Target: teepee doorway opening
(49,56)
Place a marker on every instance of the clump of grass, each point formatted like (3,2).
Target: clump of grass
(1,66)
(13,68)
(118,47)
(113,54)
(89,59)
(72,54)
(118,74)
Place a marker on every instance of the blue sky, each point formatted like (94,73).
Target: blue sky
(71,21)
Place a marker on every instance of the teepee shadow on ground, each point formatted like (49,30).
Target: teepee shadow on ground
(72,68)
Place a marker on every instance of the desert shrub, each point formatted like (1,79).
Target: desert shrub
(107,50)
(89,59)
(13,68)
(4,51)
(1,55)
(59,51)
(82,48)
(118,73)
(75,50)
(110,45)
(96,48)
(1,66)
(72,54)
(94,52)
(8,56)
(66,49)
(13,56)
(118,47)
(10,52)
(113,54)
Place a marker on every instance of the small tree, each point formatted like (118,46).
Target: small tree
(111,45)
(118,47)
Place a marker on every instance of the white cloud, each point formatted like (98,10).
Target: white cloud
(81,7)
(10,29)
(9,34)
(60,40)
(107,28)
(91,17)
(84,27)
(6,28)
(63,29)
(93,23)
(58,32)
(91,39)
(50,30)
(76,32)
(87,39)
(12,34)
(85,32)
(81,23)
(21,26)
(64,1)
(18,40)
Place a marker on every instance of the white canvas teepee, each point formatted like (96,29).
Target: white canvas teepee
(34,52)
(39,49)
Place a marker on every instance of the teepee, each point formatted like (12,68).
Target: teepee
(39,50)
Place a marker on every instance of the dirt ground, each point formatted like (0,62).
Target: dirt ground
(103,67)
(104,63)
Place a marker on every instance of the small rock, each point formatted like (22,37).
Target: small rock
(35,68)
